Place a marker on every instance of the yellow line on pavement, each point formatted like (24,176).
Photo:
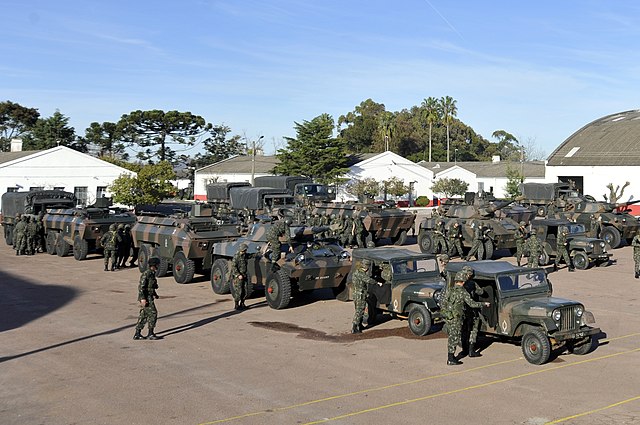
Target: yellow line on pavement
(557,421)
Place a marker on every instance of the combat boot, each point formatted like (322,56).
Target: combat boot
(236,305)
(242,305)
(452,361)
(138,335)
(106,268)
(152,336)
(473,352)
(355,329)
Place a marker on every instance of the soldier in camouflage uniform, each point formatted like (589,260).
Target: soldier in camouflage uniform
(110,241)
(635,243)
(119,246)
(360,282)
(533,244)
(477,248)
(455,235)
(278,229)
(347,232)
(561,248)
(455,299)
(146,297)
(40,240)
(20,232)
(32,234)
(359,230)
(127,243)
(239,277)
(472,316)
(439,243)
(443,260)
(594,229)
(520,236)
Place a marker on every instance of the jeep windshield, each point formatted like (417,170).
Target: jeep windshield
(414,269)
(526,280)
(312,189)
(575,228)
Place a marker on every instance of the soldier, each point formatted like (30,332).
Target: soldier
(561,248)
(455,234)
(635,243)
(40,241)
(595,227)
(533,244)
(239,277)
(146,297)
(347,231)
(359,232)
(20,232)
(360,282)
(478,242)
(439,244)
(443,260)
(454,303)
(31,234)
(110,241)
(520,236)
(279,229)
(334,225)
(17,221)
(472,316)
(127,242)
(120,246)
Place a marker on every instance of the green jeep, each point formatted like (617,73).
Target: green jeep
(411,291)
(523,310)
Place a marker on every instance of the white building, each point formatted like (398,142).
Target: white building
(58,168)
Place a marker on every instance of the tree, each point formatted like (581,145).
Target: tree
(514,178)
(150,186)
(51,132)
(154,130)
(386,129)
(449,110)
(107,137)
(450,187)
(135,167)
(15,120)
(431,115)
(614,196)
(360,126)
(314,153)
(217,147)
(508,146)
(394,186)
(367,188)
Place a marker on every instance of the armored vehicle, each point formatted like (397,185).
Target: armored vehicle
(500,231)
(313,264)
(31,203)
(182,242)
(303,189)
(81,229)
(523,310)
(584,251)
(379,222)
(412,291)
(163,209)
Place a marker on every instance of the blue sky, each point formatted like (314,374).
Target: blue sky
(539,70)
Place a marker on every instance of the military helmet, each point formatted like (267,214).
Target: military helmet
(443,257)
(243,247)
(288,221)
(120,226)
(468,270)
(461,277)
(112,227)
(126,226)
(366,262)
(154,261)
(522,223)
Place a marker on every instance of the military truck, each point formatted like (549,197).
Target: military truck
(181,241)
(218,193)
(313,265)
(379,221)
(260,200)
(500,235)
(81,229)
(411,293)
(584,251)
(522,310)
(303,189)
(31,203)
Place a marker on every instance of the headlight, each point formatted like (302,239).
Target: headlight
(579,311)
(590,245)
(299,258)
(624,220)
(344,255)
(203,245)
(557,315)
(437,296)
(602,244)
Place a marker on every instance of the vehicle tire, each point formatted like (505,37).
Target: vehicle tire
(144,253)
(419,320)
(220,277)
(541,211)
(183,268)
(163,267)
(62,247)
(543,260)
(51,243)
(536,347)
(8,235)
(278,290)
(425,242)
(580,260)
(400,239)
(583,348)
(488,250)
(80,248)
(611,235)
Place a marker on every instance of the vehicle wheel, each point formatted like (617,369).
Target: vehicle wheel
(611,235)
(144,253)
(8,235)
(62,247)
(220,277)
(278,290)
(51,243)
(543,260)
(183,268)
(80,248)
(581,347)
(488,250)
(419,320)
(541,211)
(536,347)
(425,242)
(163,267)
(400,239)
(580,260)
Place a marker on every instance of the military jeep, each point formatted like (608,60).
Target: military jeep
(412,291)
(583,250)
(314,264)
(523,310)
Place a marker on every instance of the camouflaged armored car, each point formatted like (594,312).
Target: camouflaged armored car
(314,264)
(412,291)
(523,310)
(81,229)
(181,241)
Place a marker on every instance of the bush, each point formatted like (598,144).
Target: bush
(422,201)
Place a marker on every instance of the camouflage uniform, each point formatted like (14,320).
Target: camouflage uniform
(472,316)
(347,232)
(359,230)
(147,291)
(635,243)
(533,244)
(120,246)
(127,243)
(439,243)
(20,232)
(443,260)
(561,248)
(360,282)
(387,272)
(110,241)
(32,234)
(278,229)
(478,243)
(594,230)
(239,277)
(40,241)
(520,236)
(455,246)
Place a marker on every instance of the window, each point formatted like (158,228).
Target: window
(101,192)
(81,194)
(480,186)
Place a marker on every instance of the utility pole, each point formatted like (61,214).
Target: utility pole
(253,159)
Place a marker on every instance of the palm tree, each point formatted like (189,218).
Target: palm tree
(449,110)
(386,123)
(431,114)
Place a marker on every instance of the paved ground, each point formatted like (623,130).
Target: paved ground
(67,357)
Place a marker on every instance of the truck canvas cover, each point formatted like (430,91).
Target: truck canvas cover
(252,197)
(281,182)
(219,192)
(14,203)
(541,191)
